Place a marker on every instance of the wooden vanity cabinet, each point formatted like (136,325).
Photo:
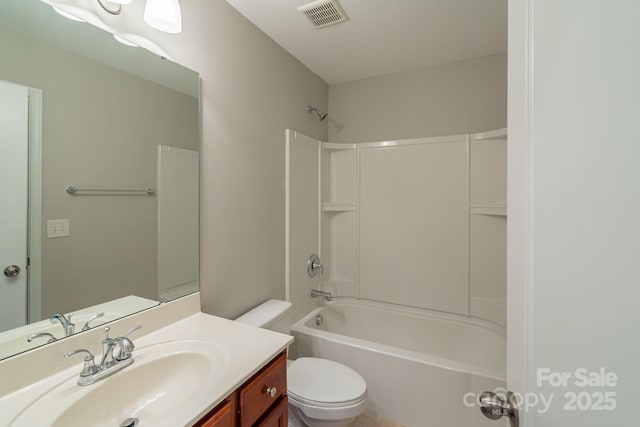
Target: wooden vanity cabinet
(260,402)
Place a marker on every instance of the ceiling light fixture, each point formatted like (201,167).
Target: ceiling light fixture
(113,7)
(67,14)
(164,15)
(124,41)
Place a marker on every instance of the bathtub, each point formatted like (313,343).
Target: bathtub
(419,365)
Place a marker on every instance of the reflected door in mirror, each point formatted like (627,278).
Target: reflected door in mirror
(14,134)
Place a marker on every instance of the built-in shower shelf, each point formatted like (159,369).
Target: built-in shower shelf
(489,209)
(337,147)
(338,207)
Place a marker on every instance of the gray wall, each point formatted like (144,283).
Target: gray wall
(252,91)
(101,127)
(461,97)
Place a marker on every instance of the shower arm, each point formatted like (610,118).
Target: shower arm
(311,109)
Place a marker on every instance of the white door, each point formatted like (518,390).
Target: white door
(574,203)
(14,137)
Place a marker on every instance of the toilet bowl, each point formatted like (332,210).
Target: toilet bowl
(322,393)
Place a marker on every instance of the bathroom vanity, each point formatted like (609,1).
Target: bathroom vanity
(189,369)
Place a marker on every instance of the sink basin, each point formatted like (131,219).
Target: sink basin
(162,378)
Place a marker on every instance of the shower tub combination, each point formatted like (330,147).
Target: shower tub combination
(419,365)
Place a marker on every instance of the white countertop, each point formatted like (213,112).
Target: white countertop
(244,350)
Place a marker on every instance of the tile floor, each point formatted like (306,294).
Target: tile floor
(366,420)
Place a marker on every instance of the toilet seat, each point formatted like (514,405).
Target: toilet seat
(328,405)
(322,383)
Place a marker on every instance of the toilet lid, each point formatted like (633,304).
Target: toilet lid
(324,382)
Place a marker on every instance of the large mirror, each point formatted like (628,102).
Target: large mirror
(99,177)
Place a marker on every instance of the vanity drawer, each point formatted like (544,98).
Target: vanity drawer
(254,397)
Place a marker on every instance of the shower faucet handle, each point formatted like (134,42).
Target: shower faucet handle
(313,265)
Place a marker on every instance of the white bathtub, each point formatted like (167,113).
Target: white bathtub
(418,364)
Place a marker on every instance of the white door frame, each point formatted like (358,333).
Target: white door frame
(520,283)
(34,243)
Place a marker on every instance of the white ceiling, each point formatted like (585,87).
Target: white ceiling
(383,36)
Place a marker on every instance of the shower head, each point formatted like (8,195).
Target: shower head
(321,116)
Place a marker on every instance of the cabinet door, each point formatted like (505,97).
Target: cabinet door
(263,391)
(278,417)
(222,417)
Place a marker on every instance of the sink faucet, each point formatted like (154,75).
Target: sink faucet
(124,345)
(69,328)
(111,361)
(316,293)
(40,335)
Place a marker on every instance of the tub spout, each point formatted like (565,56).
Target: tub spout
(316,293)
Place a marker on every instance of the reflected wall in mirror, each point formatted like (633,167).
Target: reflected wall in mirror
(89,112)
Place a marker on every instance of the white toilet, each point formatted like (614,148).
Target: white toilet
(322,393)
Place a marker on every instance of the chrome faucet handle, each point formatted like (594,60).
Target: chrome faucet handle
(106,334)
(314,265)
(132,330)
(91,319)
(89,367)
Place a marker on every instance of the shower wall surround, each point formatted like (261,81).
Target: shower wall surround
(419,222)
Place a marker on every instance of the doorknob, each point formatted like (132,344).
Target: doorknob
(12,271)
(494,407)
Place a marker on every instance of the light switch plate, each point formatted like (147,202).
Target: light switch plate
(58,228)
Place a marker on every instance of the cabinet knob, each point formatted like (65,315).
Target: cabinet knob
(271,391)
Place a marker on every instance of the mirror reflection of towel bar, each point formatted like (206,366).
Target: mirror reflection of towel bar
(128,191)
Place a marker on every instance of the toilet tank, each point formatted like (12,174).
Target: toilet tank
(274,315)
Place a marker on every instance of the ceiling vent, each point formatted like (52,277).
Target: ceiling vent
(323,13)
